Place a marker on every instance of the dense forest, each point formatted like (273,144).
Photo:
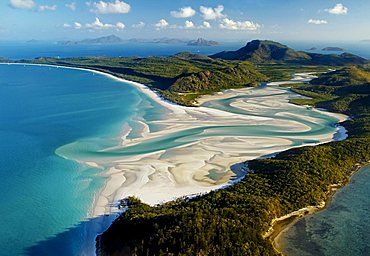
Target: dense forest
(232,221)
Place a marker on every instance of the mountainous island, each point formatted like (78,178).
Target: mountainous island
(313,49)
(333,49)
(113,39)
(237,220)
(202,42)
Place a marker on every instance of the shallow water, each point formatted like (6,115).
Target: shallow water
(54,120)
(341,229)
(41,109)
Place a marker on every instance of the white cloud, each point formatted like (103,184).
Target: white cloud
(184,12)
(22,4)
(77,25)
(72,6)
(47,8)
(66,25)
(139,25)
(209,13)
(98,25)
(338,9)
(189,24)
(110,7)
(238,25)
(161,24)
(120,26)
(205,25)
(317,22)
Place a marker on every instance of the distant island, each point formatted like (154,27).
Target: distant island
(113,39)
(312,49)
(163,40)
(202,42)
(33,41)
(333,49)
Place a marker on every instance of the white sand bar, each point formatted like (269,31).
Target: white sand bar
(210,162)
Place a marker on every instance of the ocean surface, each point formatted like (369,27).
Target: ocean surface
(341,229)
(22,50)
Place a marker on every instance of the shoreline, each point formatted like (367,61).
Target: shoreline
(111,192)
(279,225)
(108,197)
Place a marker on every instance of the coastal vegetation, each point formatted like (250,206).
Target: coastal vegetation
(180,78)
(232,221)
(183,77)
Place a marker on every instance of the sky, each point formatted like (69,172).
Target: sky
(225,20)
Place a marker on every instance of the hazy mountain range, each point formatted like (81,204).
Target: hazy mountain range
(113,39)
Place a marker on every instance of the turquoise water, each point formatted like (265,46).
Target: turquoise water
(41,109)
(48,112)
(341,229)
(323,124)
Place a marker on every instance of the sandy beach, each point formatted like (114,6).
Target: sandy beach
(186,170)
(210,161)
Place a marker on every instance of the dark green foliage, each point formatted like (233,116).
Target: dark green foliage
(347,76)
(231,221)
(336,60)
(206,81)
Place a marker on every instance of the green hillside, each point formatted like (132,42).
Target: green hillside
(347,76)
(180,78)
(265,51)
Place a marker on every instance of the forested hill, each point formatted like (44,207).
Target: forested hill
(232,221)
(347,76)
(265,51)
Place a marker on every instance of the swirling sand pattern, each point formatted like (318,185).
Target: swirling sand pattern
(196,149)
